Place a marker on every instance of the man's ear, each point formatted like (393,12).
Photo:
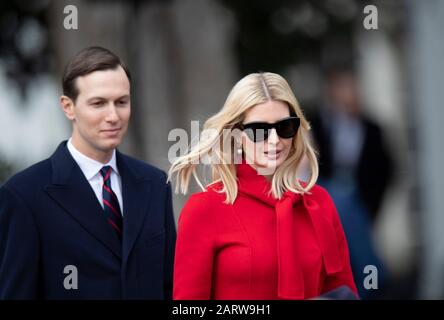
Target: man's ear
(67,107)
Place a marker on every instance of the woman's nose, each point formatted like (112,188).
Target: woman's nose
(273,136)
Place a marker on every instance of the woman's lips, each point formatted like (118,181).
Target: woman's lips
(272,154)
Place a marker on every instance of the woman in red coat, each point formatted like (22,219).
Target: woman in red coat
(257,231)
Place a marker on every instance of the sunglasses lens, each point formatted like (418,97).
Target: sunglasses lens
(259,131)
(288,128)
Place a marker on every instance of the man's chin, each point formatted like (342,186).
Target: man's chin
(110,145)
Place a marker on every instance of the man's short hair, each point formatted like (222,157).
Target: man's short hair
(85,62)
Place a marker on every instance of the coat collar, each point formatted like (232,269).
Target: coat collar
(137,190)
(290,277)
(71,190)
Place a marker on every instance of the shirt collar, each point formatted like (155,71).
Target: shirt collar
(90,167)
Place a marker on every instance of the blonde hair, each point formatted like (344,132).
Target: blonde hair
(255,88)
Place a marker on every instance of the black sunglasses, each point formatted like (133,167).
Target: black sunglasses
(259,131)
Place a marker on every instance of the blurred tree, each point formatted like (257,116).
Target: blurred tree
(273,35)
(24,42)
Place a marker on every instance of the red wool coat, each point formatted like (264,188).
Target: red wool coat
(259,247)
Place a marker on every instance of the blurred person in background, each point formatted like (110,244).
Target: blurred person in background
(355,167)
(256,231)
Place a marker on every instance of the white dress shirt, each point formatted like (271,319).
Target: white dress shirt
(91,169)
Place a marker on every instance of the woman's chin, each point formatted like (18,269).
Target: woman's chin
(267,166)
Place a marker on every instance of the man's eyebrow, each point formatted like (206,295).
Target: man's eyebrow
(95,98)
(126,96)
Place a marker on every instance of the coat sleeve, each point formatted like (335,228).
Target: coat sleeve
(193,266)
(345,276)
(19,248)
(170,245)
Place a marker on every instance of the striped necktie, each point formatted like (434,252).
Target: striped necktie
(110,202)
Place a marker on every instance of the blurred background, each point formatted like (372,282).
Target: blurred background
(371,95)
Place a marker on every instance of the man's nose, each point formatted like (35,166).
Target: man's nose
(112,115)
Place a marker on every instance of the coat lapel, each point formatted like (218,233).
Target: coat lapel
(71,191)
(136,192)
